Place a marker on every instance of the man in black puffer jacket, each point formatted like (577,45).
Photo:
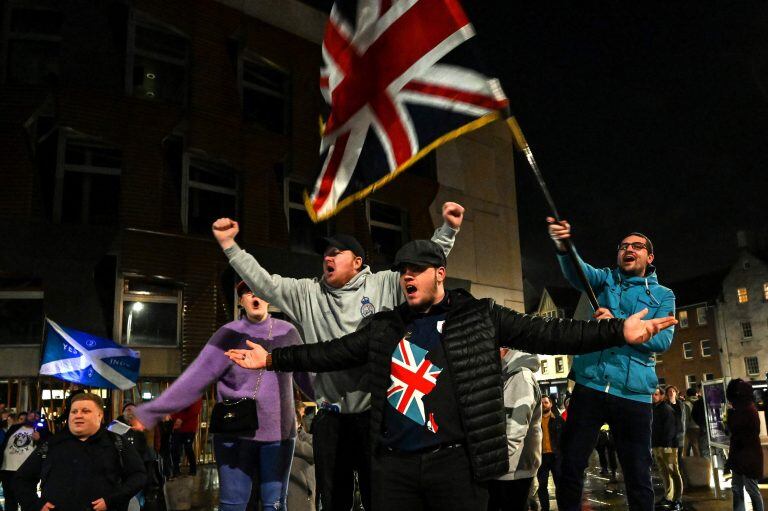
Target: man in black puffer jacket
(437,414)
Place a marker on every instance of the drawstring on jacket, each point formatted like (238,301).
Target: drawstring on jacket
(648,292)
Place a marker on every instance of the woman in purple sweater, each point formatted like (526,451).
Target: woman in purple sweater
(265,458)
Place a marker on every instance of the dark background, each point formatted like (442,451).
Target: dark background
(643,116)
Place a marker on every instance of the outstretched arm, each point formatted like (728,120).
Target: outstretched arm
(283,292)
(560,231)
(343,353)
(660,342)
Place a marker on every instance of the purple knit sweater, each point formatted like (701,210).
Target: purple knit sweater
(277,418)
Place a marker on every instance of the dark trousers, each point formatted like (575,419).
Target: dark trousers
(342,447)
(549,463)
(11,504)
(509,495)
(438,481)
(185,442)
(606,451)
(630,423)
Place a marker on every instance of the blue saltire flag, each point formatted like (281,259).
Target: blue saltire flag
(83,358)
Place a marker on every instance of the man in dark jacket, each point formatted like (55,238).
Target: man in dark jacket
(664,444)
(84,467)
(434,370)
(551,428)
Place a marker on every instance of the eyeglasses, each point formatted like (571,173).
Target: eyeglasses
(637,245)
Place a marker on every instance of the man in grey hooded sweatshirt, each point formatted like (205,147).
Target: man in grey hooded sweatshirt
(329,307)
(522,406)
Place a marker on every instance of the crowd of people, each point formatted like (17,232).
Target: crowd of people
(426,396)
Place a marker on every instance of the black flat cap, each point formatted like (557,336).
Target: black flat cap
(342,242)
(419,253)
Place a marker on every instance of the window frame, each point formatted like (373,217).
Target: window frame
(691,380)
(687,346)
(140,18)
(707,376)
(709,347)
(746,326)
(259,60)
(8,36)
(120,300)
(747,361)
(659,358)
(765,291)
(701,316)
(742,297)
(190,159)
(403,228)
(67,135)
(559,365)
(544,366)
(682,318)
(288,205)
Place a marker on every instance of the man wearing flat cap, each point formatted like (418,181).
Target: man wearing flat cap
(346,295)
(437,418)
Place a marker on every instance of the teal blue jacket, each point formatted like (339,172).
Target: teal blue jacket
(628,371)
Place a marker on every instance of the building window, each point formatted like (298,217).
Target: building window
(701,316)
(690,381)
(265,90)
(765,291)
(210,191)
(706,348)
(746,329)
(33,42)
(389,229)
(87,181)
(682,317)
(687,350)
(662,381)
(708,377)
(544,366)
(21,317)
(158,62)
(553,314)
(302,231)
(150,313)
(659,357)
(559,365)
(752,365)
(742,295)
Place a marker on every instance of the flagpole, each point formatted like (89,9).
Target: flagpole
(523,146)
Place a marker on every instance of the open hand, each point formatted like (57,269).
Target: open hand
(637,330)
(99,505)
(558,231)
(254,358)
(453,214)
(225,230)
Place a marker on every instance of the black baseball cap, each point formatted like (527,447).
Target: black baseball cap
(419,253)
(342,242)
(241,288)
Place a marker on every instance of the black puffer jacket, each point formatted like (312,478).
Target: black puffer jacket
(473,331)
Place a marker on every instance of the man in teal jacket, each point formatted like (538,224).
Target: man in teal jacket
(614,385)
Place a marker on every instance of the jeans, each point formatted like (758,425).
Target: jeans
(342,447)
(549,463)
(186,442)
(741,482)
(436,481)
(242,463)
(630,423)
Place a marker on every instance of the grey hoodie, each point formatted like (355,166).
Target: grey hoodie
(326,313)
(522,404)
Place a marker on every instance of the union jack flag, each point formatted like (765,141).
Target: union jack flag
(399,82)
(413,377)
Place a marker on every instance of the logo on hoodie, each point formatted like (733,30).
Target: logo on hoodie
(367,308)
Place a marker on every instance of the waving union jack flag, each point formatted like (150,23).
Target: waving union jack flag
(400,83)
(413,377)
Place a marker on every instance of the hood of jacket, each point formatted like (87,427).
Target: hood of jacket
(354,283)
(515,360)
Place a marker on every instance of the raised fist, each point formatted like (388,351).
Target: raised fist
(558,231)
(225,230)
(453,214)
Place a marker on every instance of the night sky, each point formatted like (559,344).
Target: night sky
(643,116)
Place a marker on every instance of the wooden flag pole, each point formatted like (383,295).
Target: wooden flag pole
(523,147)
